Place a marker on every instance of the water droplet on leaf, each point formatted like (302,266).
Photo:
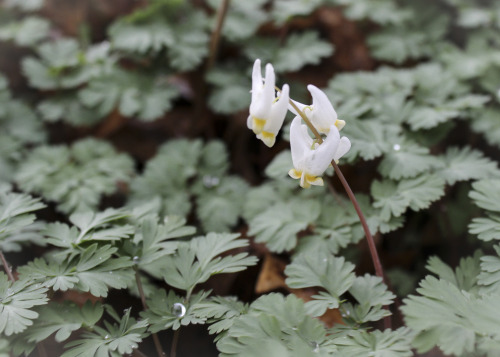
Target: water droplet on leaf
(136,260)
(316,347)
(210,181)
(178,309)
(396,147)
(107,337)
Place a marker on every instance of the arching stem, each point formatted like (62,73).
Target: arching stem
(379,271)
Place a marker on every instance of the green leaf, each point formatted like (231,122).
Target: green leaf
(25,5)
(486,122)
(278,225)
(273,321)
(466,164)
(16,224)
(284,10)
(94,271)
(418,193)
(486,194)
(387,343)
(134,94)
(280,165)
(142,38)
(407,160)
(156,238)
(371,294)
(220,207)
(76,178)
(370,138)
(220,312)
(486,228)
(322,270)
(16,301)
(231,92)
(63,320)
(171,311)
(465,276)
(68,109)
(299,50)
(195,262)
(489,277)
(27,32)
(243,18)
(115,340)
(438,322)
(382,12)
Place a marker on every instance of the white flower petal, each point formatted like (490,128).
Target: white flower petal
(278,112)
(323,115)
(298,145)
(256,79)
(344,147)
(323,155)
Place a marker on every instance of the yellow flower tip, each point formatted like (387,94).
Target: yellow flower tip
(307,180)
(258,125)
(339,124)
(314,180)
(268,138)
(295,174)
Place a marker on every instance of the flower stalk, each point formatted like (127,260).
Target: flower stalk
(379,271)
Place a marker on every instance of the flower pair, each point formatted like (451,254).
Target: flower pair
(268,111)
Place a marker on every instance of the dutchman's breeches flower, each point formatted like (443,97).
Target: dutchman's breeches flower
(310,159)
(267,112)
(320,112)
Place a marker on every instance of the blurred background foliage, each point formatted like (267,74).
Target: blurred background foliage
(143,105)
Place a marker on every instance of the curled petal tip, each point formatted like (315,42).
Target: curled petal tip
(339,124)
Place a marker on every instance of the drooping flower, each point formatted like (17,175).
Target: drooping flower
(320,112)
(267,112)
(311,159)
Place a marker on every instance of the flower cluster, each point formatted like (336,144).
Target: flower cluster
(267,112)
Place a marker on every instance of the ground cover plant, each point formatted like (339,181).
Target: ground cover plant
(249,178)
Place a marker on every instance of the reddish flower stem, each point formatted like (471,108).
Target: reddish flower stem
(379,271)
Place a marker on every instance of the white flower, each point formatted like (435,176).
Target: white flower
(310,160)
(321,112)
(267,112)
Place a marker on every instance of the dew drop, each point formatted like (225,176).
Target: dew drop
(178,309)
(210,181)
(325,260)
(136,260)
(107,337)
(396,147)
(316,347)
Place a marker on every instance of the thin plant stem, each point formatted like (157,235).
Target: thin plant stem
(216,34)
(379,271)
(156,340)
(6,267)
(175,340)
(371,242)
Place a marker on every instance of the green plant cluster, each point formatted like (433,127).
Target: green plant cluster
(424,123)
